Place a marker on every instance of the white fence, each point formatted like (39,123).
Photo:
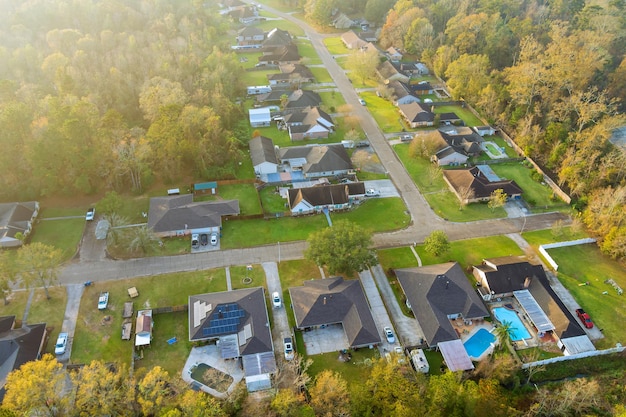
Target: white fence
(617,349)
(553,264)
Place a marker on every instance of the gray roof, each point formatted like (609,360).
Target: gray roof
(300,99)
(399,89)
(323,158)
(277,37)
(238,312)
(436,292)
(415,112)
(325,194)
(14,217)
(335,300)
(309,116)
(250,31)
(179,212)
(262,150)
(280,54)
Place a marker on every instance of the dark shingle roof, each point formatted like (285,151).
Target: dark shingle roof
(415,112)
(300,99)
(14,217)
(262,150)
(474,179)
(319,158)
(437,291)
(277,37)
(173,213)
(335,300)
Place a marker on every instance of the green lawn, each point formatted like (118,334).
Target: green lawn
(99,338)
(377,215)
(308,53)
(386,114)
(534,193)
(397,258)
(464,113)
(245,193)
(510,152)
(258,77)
(245,170)
(541,237)
(585,263)
(332,100)
(249,59)
(321,75)
(354,372)
(336,46)
(241,277)
(64,234)
(292,28)
(272,201)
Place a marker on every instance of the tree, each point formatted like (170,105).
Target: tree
(116,231)
(155,391)
(111,203)
(39,265)
(199,404)
(363,64)
(144,240)
(437,243)
(160,92)
(9,271)
(344,247)
(329,395)
(503,332)
(466,193)
(36,389)
(497,199)
(102,390)
(468,76)
(286,402)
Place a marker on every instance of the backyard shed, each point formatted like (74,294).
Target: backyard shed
(143,329)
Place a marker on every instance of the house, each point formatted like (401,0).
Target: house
(309,200)
(334,300)
(258,89)
(280,55)
(484,130)
(449,118)
(231,4)
(417,115)
(260,117)
(413,69)
(143,328)
(438,294)
(291,75)
(343,22)
(178,215)
(422,88)
(276,38)
(18,346)
(401,93)
(449,156)
(308,123)
(316,161)
(368,35)
(463,139)
(514,276)
(250,35)
(352,40)
(263,155)
(393,54)
(387,72)
(244,15)
(238,321)
(302,99)
(478,183)
(16,219)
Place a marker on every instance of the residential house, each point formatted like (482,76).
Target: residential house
(316,161)
(449,118)
(178,215)
(250,35)
(309,200)
(449,156)
(463,140)
(280,55)
(514,276)
(260,117)
(388,72)
(422,88)
(401,93)
(308,123)
(417,115)
(352,40)
(277,38)
(244,15)
(253,90)
(415,69)
(393,54)
(263,155)
(484,130)
(18,346)
(343,22)
(329,301)
(143,328)
(291,75)
(478,183)
(368,35)
(438,294)
(238,321)
(16,219)
(302,99)
(231,4)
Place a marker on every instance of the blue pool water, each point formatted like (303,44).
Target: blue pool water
(479,343)
(518,331)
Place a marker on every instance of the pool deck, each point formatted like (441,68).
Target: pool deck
(210,355)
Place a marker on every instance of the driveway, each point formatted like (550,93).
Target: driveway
(280,327)
(386,187)
(91,249)
(381,317)
(74,294)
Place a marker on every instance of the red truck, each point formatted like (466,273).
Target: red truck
(584,317)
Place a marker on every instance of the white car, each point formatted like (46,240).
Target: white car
(61,345)
(91,214)
(276,300)
(372,193)
(389,335)
(363,103)
(288,345)
(103,301)
(195,241)
(213,239)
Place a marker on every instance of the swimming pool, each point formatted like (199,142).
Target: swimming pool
(479,343)
(518,330)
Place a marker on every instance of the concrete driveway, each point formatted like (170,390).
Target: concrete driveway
(280,327)
(381,317)
(386,187)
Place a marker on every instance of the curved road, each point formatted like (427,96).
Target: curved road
(424,220)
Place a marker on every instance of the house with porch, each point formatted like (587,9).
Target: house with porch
(250,35)
(291,75)
(316,161)
(417,115)
(387,72)
(401,93)
(308,123)
(308,200)
(477,183)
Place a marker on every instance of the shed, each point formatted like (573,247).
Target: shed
(260,117)
(205,188)
(143,328)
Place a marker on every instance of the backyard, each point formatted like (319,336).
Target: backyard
(463,112)
(534,193)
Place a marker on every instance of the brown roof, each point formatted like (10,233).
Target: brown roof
(474,179)
(414,112)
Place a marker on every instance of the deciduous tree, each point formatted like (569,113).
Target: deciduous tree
(39,265)
(9,271)
(329,395)
(102,390)
(437,243)
(497,199)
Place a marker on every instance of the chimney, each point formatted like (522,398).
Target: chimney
(324,300)
(527,282)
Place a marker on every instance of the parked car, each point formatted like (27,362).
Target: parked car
(372,193)
(362,144)
(204,239)
(195,242)
(276,300)
(406,138)
(213,239)
(91,214)
(389,335)
(103,300)
(288,345)
(61,345)
(584,317)
(363,103)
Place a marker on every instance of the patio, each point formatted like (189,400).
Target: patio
(210,355)
(330,338)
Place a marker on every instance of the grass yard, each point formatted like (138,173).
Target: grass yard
(585,263)
(510,152)
(377,214)
(354,372)
(321,75)
(280,137)
(534,193)
(99,338)
(248,59)
(292,28)
(51,312)
(464,113)
(16,304)
(245,170)
(272,201)
(336,46)
(397,258)
(241,277)
(418,169)
(258,77)
(64,234)
(245,193)
(541,237)
(386,114)
(332,100)
(308,53)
